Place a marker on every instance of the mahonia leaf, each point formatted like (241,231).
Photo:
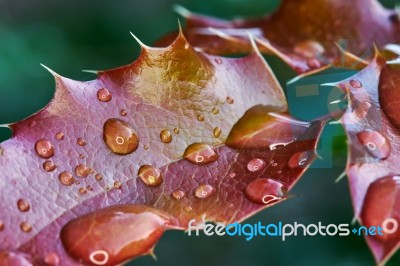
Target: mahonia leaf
(304,33)
(372,125)
(98,175)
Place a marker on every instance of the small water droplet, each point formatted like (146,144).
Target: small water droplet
(204,191)
(256,165)
(77,182)
(32,123)
(98,177)
(150,176)
(81,142)
(66,178)
(375,144)
(44,149)
(117,185)
(176,130)
(145,147)
(265,191)
(218,61)
(1,225)
(178,194)
(200,117)
(188,208)
(217,132)
(230,100)
(49,166)
(52,259)
(200,153)
(81,156)
(274,164)
(215,111)
(355,83)
(23,205)
(104,95)
(123,112)
(89,188)
(82,191)
(166,136)
(25,227)
(120,137)
(60,136)
(232,175)
(300,159)
(82,170)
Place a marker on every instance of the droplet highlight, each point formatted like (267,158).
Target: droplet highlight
(265,191)
(375,144)
(300,159)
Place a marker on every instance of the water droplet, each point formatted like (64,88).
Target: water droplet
(300,159)
(123,112)
(52,259)
(25,227)
(204,191)
(176,130)
(49,166)
(217,132)
(230,100)
(166,136)
(60,136)
(215,111)
(1,225)
(232,175)
(218,61)
(104,95)
(66,178)
(23,205)
(89,188)
(44,149)
(82,191)
(265,191)
(32,123)
(113,235)
(313,63)
(200,153)
(178,194)
(355,83)
(309,49)
(117,185)
(81,142)
(274,164)
(98,177)
(375,144)
(145,147)
(81,156)
(188,208)
(77,182)
(150,176)
(82,170)
(200,117)
(277,146)
(256,165)
(120,137)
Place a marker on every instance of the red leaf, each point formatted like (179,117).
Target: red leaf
(304,33)
(106,154)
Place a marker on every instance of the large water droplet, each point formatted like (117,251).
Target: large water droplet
(217,132)
(300,159)
(104,95)
(178,194)
(66,178)
(82,170)
(23,205)
(265,191)
(120,137)
(166,136)
(150,176)
(49,166)
(111,236)
(200,153)
(256,165)
(204,191)
(25,227)
(375,144)
(52,259)
(44,149)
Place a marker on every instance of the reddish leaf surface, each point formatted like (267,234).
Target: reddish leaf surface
(303,33)
(372,125)
(97,175)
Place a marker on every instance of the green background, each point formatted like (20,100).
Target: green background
(69,36)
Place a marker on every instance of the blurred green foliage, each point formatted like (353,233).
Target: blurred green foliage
(69,36)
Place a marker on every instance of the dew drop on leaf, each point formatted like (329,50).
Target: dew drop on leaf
(178,194)
(200,117)
(82,170)
(82,191)
(215,111)
(66,178)
(117,185)
(98,177)
(123,112)
(265,191)
(166,136)
(44,149)
(217,132)
(52,259)
(49,166)
(204,191)
(60,136)
(355,83)
(200,153)
(120,137)
(23,205)
(1,225)
(375,144)
(81,142)
(150,176)
(256,165)
(25,227)
(104,95)
(176,130)
(218,61)
(299,159)
(230,100)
